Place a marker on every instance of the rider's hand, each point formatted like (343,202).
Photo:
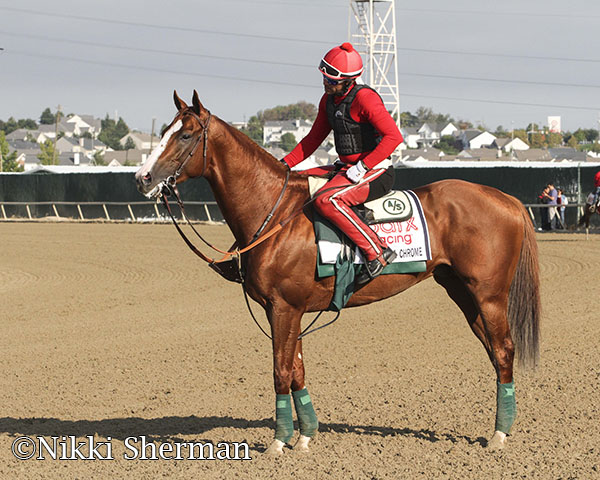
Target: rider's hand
(356,172)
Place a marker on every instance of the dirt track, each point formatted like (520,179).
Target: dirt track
(118,331)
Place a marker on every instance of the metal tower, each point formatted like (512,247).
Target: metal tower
(372,31)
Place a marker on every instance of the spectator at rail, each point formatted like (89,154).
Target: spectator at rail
(543,211)
(549,196)
(562,202)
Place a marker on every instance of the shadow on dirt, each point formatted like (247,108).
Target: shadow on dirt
(168,429)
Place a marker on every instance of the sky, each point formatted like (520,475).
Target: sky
(506,63)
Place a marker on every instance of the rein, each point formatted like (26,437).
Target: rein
(169,186)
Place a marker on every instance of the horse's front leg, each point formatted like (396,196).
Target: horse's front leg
(288,374)
(307,418)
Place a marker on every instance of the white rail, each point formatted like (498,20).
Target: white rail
(107,209)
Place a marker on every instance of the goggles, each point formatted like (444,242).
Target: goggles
(331,81)
(330,71)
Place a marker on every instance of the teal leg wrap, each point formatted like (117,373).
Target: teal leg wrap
(506,406)
(307,418)
(284,422)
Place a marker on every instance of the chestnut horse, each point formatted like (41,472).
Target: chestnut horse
(482,242)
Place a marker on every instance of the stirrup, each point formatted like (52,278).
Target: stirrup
(374,268)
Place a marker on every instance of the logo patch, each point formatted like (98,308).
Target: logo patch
(394,206)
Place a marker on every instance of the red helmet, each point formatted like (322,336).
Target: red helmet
(341,63)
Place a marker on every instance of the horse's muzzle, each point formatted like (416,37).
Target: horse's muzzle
(143,182)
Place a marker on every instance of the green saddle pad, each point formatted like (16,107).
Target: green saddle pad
(344,269)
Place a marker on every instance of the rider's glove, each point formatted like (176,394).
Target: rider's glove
(356,172)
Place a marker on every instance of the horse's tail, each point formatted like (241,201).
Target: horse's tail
(524,305)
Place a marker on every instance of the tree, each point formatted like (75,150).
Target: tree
(46,118)
(47,155)
(521,134)
(254,129)
(99,158)
(450,145)
(554,139)
(594,147)
(49,118)
(501,132)
(591,134)
(288,141)
(9,159)
(129,144)
(572,141)
(426,115)
(537,140)
(407,119)
(9,126)
(112,132)
(302,110)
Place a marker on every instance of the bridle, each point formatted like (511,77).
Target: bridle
(169,187)
(171,181)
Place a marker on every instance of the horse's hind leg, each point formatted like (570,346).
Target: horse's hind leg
(487,318)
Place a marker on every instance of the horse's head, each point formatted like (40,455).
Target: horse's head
(181,153)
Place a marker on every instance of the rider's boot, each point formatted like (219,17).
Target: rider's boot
(373,268)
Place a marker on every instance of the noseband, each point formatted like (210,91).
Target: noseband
(171,181)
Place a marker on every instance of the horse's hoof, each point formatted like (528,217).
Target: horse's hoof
(275,449)
(302,444)
(498,441)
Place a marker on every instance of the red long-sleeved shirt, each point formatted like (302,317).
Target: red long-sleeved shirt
(597,179)
(367,107)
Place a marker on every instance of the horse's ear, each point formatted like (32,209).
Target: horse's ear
(179,103)
(198,107)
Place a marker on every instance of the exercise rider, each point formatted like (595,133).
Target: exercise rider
(365,136)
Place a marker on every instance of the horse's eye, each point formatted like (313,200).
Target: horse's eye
(186,136)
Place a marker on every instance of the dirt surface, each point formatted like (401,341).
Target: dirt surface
(119,331)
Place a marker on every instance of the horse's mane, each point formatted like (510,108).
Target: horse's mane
(255,153)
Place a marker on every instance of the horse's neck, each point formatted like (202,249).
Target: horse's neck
(245,180)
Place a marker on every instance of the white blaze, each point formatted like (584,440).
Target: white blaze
(160,148)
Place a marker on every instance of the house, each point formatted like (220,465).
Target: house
(90,146)
(142,141)
(431,133)
(273,130)
(239,124)
(44,133)
(320,157)
(68,145)
(567,153)
(411,137)
(480,154)
(422,155)
(508,144)
(27,153)
(82,124)
(74,159)
(473,138)
(125,157)
(21,134)
(533,155)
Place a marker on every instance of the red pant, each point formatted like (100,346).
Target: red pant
(334,205)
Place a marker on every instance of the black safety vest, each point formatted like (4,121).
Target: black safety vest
(351,137)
